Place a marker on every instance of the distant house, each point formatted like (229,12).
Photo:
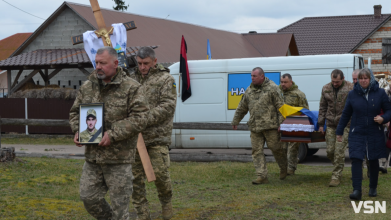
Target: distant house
(369,35)
(72,19)
(7,47)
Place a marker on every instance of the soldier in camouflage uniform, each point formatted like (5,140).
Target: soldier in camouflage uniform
(331,105)
(86,135)
(293,97)
(108,165)
(160,90)
(263,100)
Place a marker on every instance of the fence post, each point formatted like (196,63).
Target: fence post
(25,110)
(0,131)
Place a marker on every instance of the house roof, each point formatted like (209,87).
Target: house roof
(272,44)
(54,58)
(333,34)
(165,33)
(10,44)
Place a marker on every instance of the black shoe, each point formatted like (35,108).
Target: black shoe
(383,170)
(372,192)
(356,195)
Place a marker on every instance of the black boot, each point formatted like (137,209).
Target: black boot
(372,192)
(356,195)
(383,170)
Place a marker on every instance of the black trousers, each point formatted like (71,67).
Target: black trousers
(357,173)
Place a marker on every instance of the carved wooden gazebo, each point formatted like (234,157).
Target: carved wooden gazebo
(49,62)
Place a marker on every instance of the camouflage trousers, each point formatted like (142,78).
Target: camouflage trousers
(293,151)
(272,139)
(160,160)
(96,180)
(336,150)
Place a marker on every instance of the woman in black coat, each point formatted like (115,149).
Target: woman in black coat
(366,137)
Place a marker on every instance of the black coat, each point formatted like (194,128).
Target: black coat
(366,137)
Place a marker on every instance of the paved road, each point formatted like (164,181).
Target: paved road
(242,155)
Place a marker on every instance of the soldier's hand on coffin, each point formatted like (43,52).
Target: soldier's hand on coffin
(76,140)
(378,119)
(235,127)
(321,130)
(105,140)
(339,138)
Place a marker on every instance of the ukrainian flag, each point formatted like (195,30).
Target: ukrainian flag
(287,110)
(208,53)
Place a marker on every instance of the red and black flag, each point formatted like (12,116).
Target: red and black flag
(184,69)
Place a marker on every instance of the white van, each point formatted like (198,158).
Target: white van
(217,87)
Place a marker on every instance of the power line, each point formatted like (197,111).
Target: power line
(18,23)
(23,10)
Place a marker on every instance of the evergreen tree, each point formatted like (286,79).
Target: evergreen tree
(120,5)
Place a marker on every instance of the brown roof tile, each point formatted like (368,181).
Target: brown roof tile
(10,44)
(167,34)
(333,35)
(270,44)
(64,58)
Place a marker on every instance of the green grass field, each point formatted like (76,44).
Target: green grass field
(44,188)
(24,139)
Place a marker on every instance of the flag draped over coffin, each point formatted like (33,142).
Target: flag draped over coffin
(287,110)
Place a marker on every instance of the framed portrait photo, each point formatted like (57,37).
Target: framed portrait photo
(91,123)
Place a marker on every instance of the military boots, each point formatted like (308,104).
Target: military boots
(283,174)
(291,172)
(167,212)
(334,182)
(143,212)
(260,180)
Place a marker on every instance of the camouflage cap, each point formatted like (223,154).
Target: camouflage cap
(91,113)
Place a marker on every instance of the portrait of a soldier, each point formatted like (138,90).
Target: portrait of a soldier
(91,134)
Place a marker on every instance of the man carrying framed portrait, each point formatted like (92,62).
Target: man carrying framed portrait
(108,165)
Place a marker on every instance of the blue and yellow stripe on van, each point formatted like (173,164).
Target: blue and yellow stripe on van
(238,83)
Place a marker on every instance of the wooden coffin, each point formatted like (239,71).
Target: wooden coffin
(300,136)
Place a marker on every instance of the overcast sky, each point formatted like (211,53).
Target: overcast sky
(236,16)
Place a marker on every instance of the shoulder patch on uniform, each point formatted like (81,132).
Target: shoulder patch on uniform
(174,85)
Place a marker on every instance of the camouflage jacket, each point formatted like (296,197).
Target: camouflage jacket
(125,116)
(86,135)
(294,97)
(332,104)
(160,90)
(263,102)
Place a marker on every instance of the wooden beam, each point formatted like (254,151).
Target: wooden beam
(8,82)
(97,14)
(177,125)
(84,71)
(25,80)
(35,122)
(128,25)
(53,73)
(46,77)
(145,160)
(16,79)
(42,75)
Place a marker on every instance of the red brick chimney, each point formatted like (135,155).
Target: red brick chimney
(377,11)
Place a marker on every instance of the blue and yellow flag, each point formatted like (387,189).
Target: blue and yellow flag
(208,53)
(287,110)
